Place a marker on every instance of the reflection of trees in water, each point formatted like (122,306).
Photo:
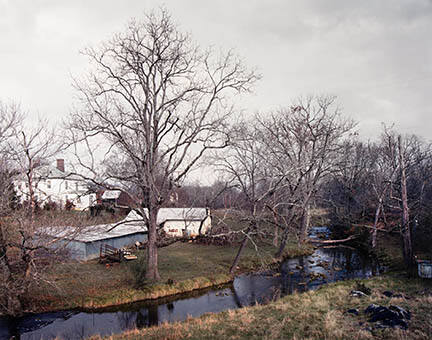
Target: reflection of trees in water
(343,263)
(235,296)
(126,320)
(147,316)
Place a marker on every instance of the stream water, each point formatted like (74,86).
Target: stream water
(326,264)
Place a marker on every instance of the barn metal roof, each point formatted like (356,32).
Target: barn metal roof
(133,223)
(97,232)
(173,214)
(111,194)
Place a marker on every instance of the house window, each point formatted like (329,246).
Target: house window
(76,186)
(66,185)
(49,184)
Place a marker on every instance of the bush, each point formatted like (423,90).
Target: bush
(362,288)
(50,206)
(69,205)
(138,271)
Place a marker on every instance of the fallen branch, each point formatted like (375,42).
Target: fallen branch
(352,237)
(392,229)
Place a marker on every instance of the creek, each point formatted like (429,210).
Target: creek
(326,264)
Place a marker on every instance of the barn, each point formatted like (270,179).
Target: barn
(180,221)
(85,244)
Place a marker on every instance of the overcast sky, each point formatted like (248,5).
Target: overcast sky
(376,56)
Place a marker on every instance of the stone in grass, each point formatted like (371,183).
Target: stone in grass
(392,323)
(403,313)
(388,317)
(354,311)
(389,293)
(357,293)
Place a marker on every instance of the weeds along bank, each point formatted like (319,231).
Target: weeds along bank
(320,314)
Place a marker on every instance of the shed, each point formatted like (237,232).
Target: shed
(85,244)
(180,221)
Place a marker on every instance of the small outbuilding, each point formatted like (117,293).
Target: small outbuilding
(85,243)
(180,221)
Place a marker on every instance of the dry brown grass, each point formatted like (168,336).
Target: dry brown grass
(317,314)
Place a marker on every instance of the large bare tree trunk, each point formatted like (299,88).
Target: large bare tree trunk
(276,231)
(406,231)
(283,243)
(305,224)
(152,254)
(375,226)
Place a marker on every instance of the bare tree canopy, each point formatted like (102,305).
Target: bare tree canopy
(159,102)
(279,161)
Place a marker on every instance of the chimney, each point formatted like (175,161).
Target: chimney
(60,165)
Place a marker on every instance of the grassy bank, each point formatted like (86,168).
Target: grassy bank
(317,314)
(183,267)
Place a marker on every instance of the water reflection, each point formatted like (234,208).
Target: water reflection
(299,274)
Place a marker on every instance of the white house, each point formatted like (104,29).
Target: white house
(53,184)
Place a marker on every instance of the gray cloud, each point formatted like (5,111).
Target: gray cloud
(376,56)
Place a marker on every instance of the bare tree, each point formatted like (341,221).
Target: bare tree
(245,168)
(25,250)
(302,145)
(405,155)
(31,148)
(159,103)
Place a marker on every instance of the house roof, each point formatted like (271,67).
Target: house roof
(51,172)
(97,232)
(173,214)
(111,194)
(133,223)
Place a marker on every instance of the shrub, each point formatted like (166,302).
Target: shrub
(50,206)
(69,205)
(362,288)
(138,271)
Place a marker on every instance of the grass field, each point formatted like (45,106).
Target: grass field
(183,267)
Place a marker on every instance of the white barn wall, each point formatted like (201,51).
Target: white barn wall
(192,228)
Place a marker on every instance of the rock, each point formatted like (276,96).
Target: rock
(388,317)
(391,294)
(383,313)
(403,313)
(371,308)
(354,311)
(357,293)
(392,323)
